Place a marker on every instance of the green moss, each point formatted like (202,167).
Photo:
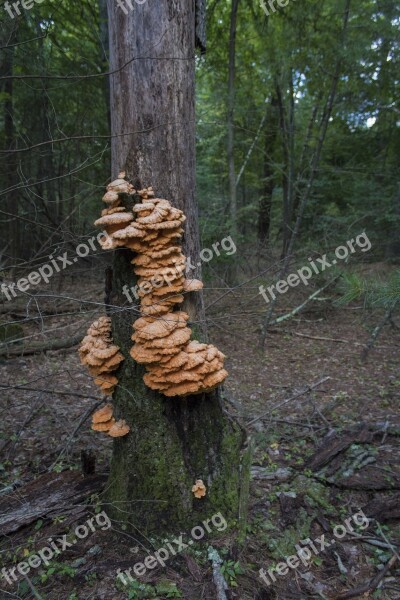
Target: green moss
(172,443)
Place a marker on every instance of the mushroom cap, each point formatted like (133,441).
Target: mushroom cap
(157,215)
(105,353)
(143,322)
(119,429)
(192,285)
(195,346)
(103,414)
(199,489)
(177,338)
(145,206)
(158,309)
(132,231)
(91,360)
(175,288)
(164,225)
(160,330)
(113,362)
(164,252)
(117,218)
(161,327)
(105,380)
(121,186)
(173,271)
(146,193)
(159,305)
(109,243)
(150,236)
(144,356)
(112,210)
(111,198)
(175,361)
(213,379)
(173,377)
(182,389)
(106,426)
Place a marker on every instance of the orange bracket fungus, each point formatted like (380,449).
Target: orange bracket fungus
(199,489)
(119,429)
(100,355)
(103,420)
(175,365)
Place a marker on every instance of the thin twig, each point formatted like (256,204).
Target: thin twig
(57,392)
(308,389)
(33,589)
(85,416)
(369,586)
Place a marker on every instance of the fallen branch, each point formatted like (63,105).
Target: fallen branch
(23,388)
(308,389)
(47,496)
(219,581)
(375,334)
(33,589)
(324,339)
(370,586)
(296,310)
(57,344)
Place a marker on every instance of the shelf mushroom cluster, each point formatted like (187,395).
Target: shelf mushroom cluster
(100,355)
(103,420)
(175,365)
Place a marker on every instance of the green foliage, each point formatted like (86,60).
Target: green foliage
(142,591)
(293,51)
(374,292)
(56,568)
(230,570)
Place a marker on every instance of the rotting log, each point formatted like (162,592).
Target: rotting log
(12,350)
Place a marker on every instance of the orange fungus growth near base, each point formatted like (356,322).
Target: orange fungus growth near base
(199,489)
(175,365)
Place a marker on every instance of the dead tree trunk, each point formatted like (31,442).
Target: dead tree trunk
(172,442)
(265,202)
(231,124)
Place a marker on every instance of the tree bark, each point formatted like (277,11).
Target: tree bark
(104,52)
(230,123)
(9,37)
(172,442)
(265,202)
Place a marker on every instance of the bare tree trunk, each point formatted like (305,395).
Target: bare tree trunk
(265,203)
(9,37)
(288,176)
(172,442)
(104,52)
(230,124)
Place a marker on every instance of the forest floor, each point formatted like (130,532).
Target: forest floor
(325,432)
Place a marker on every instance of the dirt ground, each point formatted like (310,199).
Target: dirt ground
(324,427)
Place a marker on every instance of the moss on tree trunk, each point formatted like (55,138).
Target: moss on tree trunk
(172,443)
